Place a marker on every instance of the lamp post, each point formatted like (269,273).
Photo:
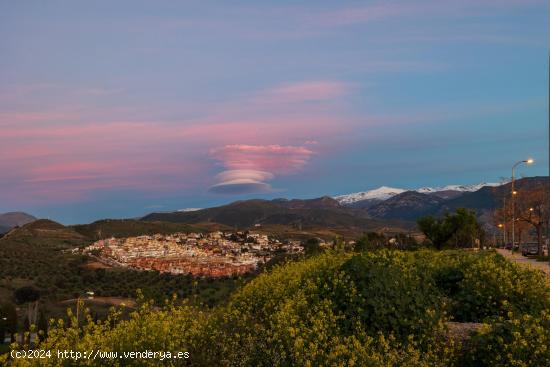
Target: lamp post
(514,192)
(501,227)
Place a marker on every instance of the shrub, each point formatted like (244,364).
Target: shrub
(393,294)
(493,286)
(522,341)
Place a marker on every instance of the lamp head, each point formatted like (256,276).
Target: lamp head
(529,161)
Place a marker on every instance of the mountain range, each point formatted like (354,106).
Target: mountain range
(365,199)
(380,208)
(320,212)
(386,208)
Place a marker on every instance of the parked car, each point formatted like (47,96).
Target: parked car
(531,248)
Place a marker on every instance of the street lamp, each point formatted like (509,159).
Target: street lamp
(514,192)
(501,227)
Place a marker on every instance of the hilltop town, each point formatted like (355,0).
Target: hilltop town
(215,254)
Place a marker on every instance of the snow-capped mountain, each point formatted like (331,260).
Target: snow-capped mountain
(460,188)
(188,210)
(383,193)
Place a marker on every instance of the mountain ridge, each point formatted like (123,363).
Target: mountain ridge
(399,209)
(319,212)
(385,192)
(10,220)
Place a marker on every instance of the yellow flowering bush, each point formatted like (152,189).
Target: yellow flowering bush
(522,341)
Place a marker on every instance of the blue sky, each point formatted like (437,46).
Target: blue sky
(117,109)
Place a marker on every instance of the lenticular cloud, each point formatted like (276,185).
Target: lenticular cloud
(241,181)
(249,167)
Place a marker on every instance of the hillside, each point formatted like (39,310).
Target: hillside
(412,204)
(409,205)
(44,232)
(37,255)
(488,198)
(128,227)
(322,212)
(14,219)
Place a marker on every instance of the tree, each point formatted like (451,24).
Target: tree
(370,241)
(312,246)
(30,296)
(533,208)
(460,229)
(468,232)
(26,294)
(437,230)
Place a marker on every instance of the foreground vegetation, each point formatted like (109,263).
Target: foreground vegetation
(377,308)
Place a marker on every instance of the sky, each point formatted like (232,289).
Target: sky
(115,109)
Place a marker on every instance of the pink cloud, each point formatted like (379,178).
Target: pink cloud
(60,178)
(272,158)
(250,166)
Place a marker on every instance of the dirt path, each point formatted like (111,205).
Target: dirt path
(544,266)
(114,301)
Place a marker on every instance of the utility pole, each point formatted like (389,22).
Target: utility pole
(504,222)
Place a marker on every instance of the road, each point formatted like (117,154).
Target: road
(525,261)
